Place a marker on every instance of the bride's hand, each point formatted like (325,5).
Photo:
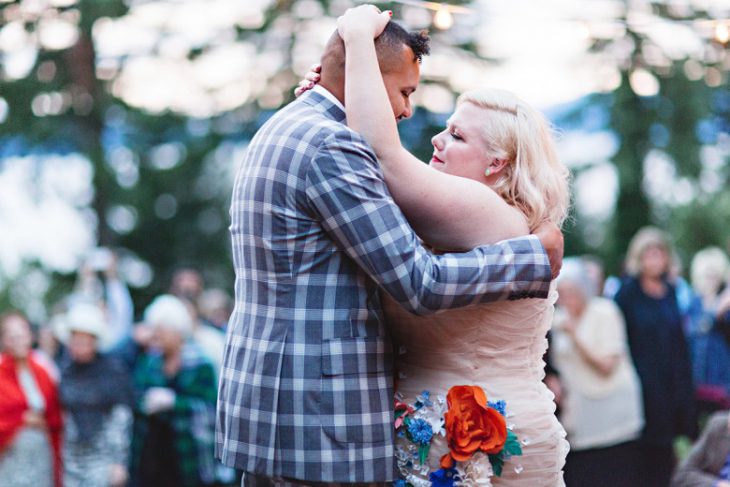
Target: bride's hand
(310,79)
(364,21)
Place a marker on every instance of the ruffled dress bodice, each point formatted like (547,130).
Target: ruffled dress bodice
(500,347)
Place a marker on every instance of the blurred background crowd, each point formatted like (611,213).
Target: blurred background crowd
(89,398)
(638,361)
(121,125)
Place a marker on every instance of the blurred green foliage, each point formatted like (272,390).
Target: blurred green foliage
(197,234)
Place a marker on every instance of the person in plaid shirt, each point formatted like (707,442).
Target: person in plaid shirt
(306,390)
(172,444)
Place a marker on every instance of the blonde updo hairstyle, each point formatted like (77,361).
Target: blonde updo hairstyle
(534,181)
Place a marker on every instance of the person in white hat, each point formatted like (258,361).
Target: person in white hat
(85,327)
(96,394)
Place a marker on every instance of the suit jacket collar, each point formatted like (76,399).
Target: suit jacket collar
(324,105)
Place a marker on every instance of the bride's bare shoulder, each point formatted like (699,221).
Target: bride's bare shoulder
(508,222)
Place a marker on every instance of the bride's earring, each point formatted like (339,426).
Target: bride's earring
(488,172)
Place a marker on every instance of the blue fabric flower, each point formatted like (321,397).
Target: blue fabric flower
(424,399)
(443,477)
(420,431)
(500,406)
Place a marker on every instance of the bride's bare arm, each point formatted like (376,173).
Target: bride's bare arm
(448,212)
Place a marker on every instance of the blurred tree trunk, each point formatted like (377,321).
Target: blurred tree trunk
(89,106)
(631,120)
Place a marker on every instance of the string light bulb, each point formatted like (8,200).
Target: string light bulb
(584,31)
(722,32)
(443,19)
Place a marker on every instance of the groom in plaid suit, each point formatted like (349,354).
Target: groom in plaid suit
(306,390)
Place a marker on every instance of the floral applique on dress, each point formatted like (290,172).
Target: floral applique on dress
(475,431)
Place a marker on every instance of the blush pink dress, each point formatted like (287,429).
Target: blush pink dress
(500,347)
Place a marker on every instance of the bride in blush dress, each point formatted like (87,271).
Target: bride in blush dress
(494,175)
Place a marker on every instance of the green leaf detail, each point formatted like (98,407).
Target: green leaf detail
(423,453)
(512,446)
(497,464)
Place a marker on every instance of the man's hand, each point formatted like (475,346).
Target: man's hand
(551,239)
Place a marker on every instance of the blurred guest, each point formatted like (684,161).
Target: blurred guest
(709,351)
(137,344)
(593,266)
(99,282)
(187,282)
(659,351)
(49,351)
(601,407)
(30,413)
(216,307)
(708,464)
(176,393)
(211,340)
(682,288)
(96,394)
(611,285)
(722,315)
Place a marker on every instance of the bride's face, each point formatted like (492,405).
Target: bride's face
(460,149)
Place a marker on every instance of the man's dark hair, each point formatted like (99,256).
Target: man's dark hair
(389,46)
(395,36)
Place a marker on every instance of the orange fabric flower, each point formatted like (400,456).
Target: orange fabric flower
(471,425)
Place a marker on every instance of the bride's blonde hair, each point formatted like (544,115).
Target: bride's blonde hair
(533,180)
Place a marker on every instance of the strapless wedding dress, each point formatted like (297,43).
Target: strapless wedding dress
(497,346)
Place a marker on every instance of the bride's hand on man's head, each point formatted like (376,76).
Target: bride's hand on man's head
(364,21)
(310,79)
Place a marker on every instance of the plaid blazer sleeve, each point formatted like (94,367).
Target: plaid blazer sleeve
(346,190)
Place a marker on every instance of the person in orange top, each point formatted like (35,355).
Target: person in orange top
(30,413)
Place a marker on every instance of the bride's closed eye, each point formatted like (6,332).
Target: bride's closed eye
(454,135)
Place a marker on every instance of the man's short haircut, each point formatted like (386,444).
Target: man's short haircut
(395,36)
(389,46)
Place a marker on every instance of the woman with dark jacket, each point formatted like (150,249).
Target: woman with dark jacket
(30,414)
(660,354)
(96,393)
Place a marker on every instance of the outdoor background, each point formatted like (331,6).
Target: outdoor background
(122,122)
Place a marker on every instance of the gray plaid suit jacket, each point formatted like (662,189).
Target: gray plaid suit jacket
(306,387)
